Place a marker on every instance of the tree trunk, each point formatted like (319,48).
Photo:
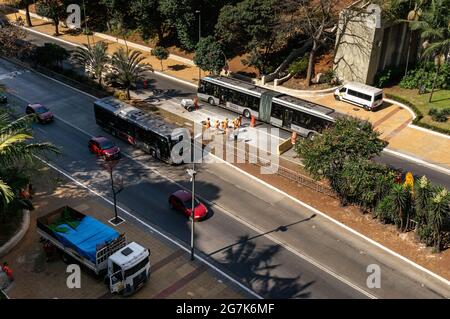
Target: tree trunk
(162,68)
(310,72)
(27,11)
(160,36)
(434,83)
(56,26)
(128,93)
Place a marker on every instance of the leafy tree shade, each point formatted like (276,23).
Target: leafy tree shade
(52,9)
(12,40)
(128,68)
(180,16)
(148,18)
(16,149)
(249,27)
(209,55)
(362,182)
(92,58)
(50,54)
(434,27)
(161,54)
(348,139)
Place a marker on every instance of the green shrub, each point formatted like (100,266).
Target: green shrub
(384,210)
(298,68)
(329,76)
(425,233)
(424,75)
(439,115)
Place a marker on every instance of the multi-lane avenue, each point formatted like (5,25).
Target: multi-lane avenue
(274,245)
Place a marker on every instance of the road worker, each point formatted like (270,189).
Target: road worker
(240,121)
(207,123)
(216,124)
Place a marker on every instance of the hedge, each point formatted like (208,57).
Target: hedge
(419,115)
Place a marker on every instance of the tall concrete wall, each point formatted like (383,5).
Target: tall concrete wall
(363,49)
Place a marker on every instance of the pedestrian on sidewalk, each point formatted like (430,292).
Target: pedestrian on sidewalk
(8,271)
(217,124)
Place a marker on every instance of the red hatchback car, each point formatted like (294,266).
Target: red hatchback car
(103,147)
(44,115)
(182,201)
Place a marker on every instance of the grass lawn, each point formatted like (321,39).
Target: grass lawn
(441,99)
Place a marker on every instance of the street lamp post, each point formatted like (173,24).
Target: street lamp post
(192,173)
(199,37)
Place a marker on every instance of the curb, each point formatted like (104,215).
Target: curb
(77,45)
(114,39)
(414,117)
(10,244)
(4,294)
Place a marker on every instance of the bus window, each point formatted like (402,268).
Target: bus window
(277,111)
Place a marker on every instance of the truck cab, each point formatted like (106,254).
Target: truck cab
(128,269)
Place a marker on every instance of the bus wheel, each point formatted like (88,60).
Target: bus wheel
(247,114)
(153,154)
(211,101)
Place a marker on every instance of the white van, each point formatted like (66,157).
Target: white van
(363,95)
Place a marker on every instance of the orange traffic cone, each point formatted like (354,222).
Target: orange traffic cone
(294,138)
(253,121)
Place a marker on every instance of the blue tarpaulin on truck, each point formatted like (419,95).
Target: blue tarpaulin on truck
(85,238)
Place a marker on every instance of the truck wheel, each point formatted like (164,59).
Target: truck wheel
(247,113)
(211,101)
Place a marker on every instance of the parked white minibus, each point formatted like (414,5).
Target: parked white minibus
(363,95)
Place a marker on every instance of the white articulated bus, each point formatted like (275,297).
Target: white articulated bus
(278,109)
(363,95)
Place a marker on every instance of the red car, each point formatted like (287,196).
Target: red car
(103,147)
(44,115)
(182,201)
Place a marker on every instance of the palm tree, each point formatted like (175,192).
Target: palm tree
(15,148)
(435,29)
(129,68)
(400,203)
(439,210)
(422,199)
(93,58)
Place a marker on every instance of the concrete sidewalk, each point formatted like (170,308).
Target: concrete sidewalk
(393,121)
(173,275)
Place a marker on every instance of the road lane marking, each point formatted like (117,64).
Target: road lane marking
(247,224)
(175,242)
(429,272)
(418,161)
(417,266)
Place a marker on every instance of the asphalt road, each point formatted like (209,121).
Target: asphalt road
(274,245)
(179,90)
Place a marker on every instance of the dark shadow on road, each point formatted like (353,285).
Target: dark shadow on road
(256,270)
